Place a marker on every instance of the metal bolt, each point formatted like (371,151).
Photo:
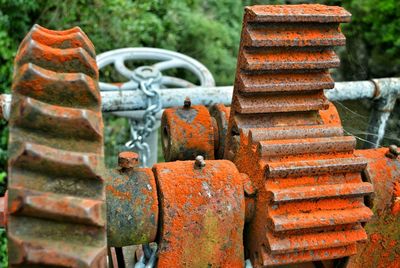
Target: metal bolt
(199,162)
(187,103)
(128,160)
(394,150)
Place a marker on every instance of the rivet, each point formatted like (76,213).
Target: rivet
(128,160)
(394,150)
(187,103)
(199,162)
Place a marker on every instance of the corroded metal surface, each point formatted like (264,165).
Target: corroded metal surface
(56,191)
(132,207)
(286,136)
(383,246)
(187,132)
(128,160)
(194,130)
(202,214)
(220,114)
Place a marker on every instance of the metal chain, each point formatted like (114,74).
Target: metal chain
(149,257)
(141,129)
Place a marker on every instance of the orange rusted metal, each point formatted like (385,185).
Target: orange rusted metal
(128,160)
(383,246)
(286,136)
(191,131)
(132,203)
(220,115)
(56,195)
(202,214)
(186,133)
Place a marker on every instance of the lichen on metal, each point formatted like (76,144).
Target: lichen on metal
(56,196)
(286,136)
(202,214)
(383,247)
(132,206)
(189,131)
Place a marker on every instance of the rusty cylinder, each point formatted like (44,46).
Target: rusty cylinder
(132,207)
(189,131)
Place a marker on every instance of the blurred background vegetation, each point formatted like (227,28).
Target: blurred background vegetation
(207,30)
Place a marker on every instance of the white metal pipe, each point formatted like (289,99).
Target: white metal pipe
(133,100)
(136,100)
(351,91)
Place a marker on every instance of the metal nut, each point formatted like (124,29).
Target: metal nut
(394,150)
(187,103)
(199,162)
(128,160)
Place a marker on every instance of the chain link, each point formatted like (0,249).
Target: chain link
(141,129)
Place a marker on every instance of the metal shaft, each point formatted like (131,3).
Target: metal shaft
(113,101)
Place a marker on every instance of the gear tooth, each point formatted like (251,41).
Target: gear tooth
(66,89)
(300,193)
(62,254)
(297,13)
(50,161)
(303,132)
(283,82)
(267,259)
(71,39)
(280,103)
(315,241)
(293,59)
(293,34)
(79,123)
(315,167)
(70,60)
(318,219)
(57,32)
(306,146)
(56,207)
(56,154)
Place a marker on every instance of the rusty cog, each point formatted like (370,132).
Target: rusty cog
(56,190)
(309,205)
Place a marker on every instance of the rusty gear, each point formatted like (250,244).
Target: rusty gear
(56,190)
(286,136)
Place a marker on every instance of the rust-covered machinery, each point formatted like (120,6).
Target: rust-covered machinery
(272,179)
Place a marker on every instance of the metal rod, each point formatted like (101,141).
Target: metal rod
(131,100)
(387,91)
(128,103)
(135,100)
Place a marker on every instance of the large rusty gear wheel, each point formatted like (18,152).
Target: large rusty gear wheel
(56,190)
(310,203)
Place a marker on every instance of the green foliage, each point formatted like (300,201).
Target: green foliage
(3,249)
(206,30)
(373,40)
